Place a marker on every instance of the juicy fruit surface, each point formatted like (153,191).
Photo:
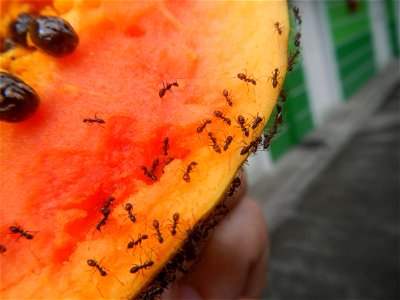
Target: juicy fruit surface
(58,172)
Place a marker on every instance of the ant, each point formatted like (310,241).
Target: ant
(228,97)
(242,123)
(149,173)
(156,226)
(94,263)
(244,77)
(278,118)
(3,249)
(278,28)
(189,169)
(274,77)
(17,229)
(214,140)
(282,94)
(154,165)
(105,209)
(297,38)
(292,59)
(138,241)
(137,268)
(253,146)
(203,125)
(166,88)
(228,141)
(95,120)
(128,207)
(234,185)
(219,114)
(175,219)
(296,13)
(165,146)
(257,120)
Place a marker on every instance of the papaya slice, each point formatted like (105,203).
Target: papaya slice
(138,137)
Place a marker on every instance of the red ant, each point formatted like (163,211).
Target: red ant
(165,146)
(292,59)
(274,77)
(149,173)
(296,13)
(128,207)
(278,28)
(94,263)
(138,241)
(215,144)
(244,77)
(137,268)
(228,141)
(253,146)
(234,185)
(203,125)
(242,123)
(189,169)
(25,234)
(227,97)
(221,116)
(156,226)
(257,120)
(175,219)
(166,88)
(95,120)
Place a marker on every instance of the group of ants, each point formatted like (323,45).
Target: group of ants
(195,236)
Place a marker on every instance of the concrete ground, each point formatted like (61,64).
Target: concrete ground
(332,203)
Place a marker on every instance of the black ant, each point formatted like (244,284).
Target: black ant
(156,226)
(17,229)
(175,219)
(203,125)
(228,141)
(292,59)
(234,185)
(278,28)
(242,124)
(228,98)
(282,94)
(189,169)
(102,223)
(253,146)
(297,38)
(155,164)
(95,120)
(221,116)
(137,268)
(94,263)
(296,13)
(257,120)
(3,249)
(166,88)
(165,146)
(138,241)
(274,77)
(244,77)
(128,207)
(149,173)
(105,209)
(214,141)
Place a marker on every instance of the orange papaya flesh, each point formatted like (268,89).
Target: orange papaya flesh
(59,172)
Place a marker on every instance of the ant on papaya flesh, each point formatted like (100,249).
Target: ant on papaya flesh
(166,88)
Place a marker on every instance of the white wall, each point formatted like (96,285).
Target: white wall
(319,62)
(380,33)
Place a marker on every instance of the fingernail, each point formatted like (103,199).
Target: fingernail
(186,292)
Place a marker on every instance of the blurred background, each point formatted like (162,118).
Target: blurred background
(329,184)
